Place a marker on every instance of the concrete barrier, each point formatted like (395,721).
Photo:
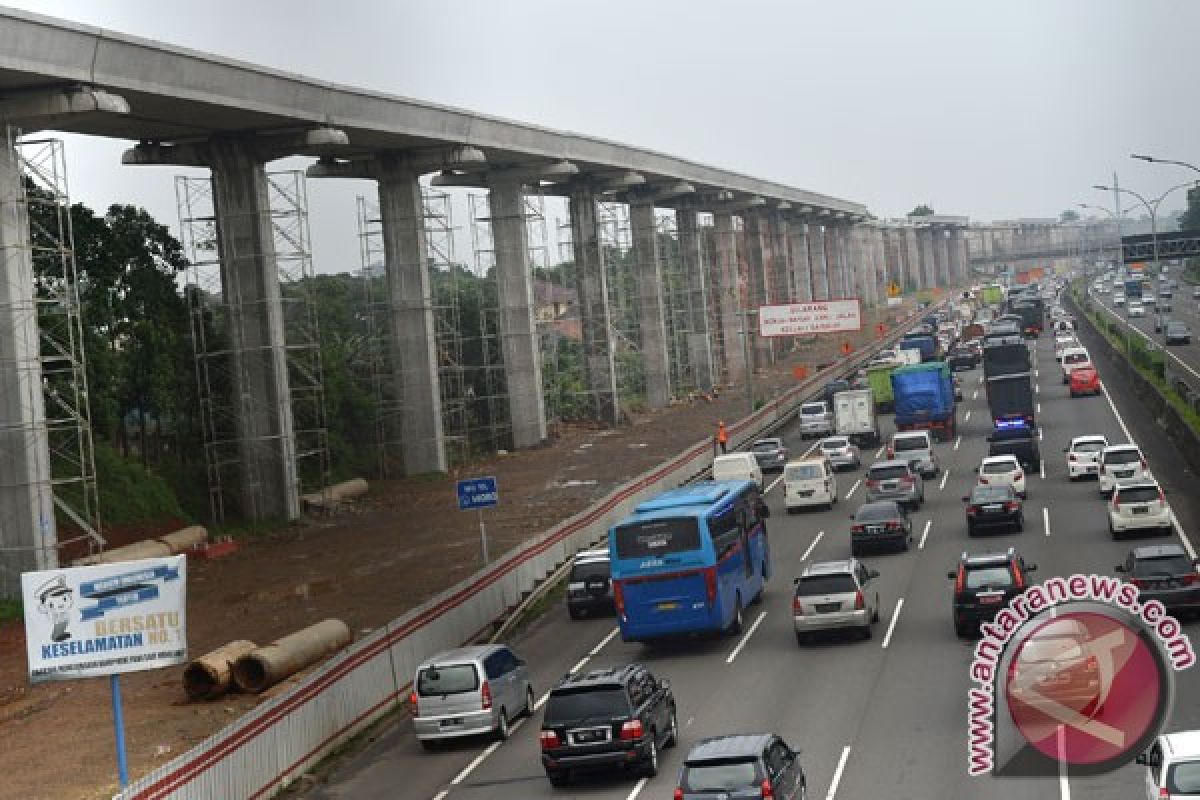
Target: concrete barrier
(268,748)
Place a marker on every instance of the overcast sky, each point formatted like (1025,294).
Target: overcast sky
(988,109)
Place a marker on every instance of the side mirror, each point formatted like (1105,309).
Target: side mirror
(795,581)
(1031,567)
(874,573)
(951,575)
(851,516)
(966,499)
(1119,568)
(976,470)
(1142,759)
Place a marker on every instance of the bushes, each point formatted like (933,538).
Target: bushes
(131,494)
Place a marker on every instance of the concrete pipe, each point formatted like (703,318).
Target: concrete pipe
(331,496)
(150,548)
(182,540)
(211,675)
(266,666)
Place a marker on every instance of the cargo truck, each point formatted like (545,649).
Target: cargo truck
(1005,355)
(992,295)
(854,417)
(1032,314)
(925,343)
(924,399)
(880,379)
(1010,397)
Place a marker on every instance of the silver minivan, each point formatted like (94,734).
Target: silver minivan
(469,691)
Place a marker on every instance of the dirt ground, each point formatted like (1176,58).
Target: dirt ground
(400,545)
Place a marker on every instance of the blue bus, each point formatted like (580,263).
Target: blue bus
(690,560)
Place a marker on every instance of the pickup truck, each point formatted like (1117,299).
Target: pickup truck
(815,419)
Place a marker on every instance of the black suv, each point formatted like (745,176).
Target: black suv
(742,765)
(1165,573)
(589,586)
(984,584)
(607,718)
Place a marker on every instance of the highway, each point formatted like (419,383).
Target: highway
(1184,308)
(880,716)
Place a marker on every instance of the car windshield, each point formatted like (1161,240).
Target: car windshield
(723,776)
(1161,565)
(834,444)
(887,473)
(584,703)
(1039,650)
(1184,778)
(1137,494)
(990,494)
(825,584)
(803,472)
(1075,358)
(594,569)
(1122,457)
(903,443)
(812,408)
(875,512)
(765,446)
(998,468)
(1088,447)
(447,679)
(657,537)
(994,577)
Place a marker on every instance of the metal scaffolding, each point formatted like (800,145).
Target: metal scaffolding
(61,357)
(210,302)
(616,247)
(707,233)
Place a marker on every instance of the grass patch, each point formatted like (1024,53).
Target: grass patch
(10,609)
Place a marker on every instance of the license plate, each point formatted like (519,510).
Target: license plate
(825,608)
(1140,510)
(806,493)
(991,599)
(589,736)
(991,507)
(1128,474)
(672,606)
(451,723)
(889,485)
(874,529)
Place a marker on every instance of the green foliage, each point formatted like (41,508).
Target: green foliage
(1189,220)
(922,210)
(131,494)
(11,609)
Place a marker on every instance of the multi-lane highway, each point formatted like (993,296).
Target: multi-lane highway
(1184,308)
(880,717)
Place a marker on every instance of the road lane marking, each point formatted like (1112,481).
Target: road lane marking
(945,475)
(1042,468)
(967,417)
(1064,785)
(746,637)
(604,642)
(1035,372)
(579,664)
(925,534)
(1039,408)
(887,638)
(469,768)
(441,795)
(637,789)
(837,773)
(541,701)
(772,484)
(1039,433)
(958,441)
(1037,388)
(852,488)
(1046,520)
(812,546)
(879,452)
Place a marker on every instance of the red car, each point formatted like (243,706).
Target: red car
(1085,380)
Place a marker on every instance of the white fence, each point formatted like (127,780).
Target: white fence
(266,749)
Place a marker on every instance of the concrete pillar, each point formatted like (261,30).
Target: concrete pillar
(783,290)
(729,297)
(818,261)
(599,366)
(884,266)
(656,364)
(799,259)
(957,257)
(833,262)
(910,243)
(856,269)
(26,499)
(758,264)
(925,242)
(518,330)
(699,341)
(269,484)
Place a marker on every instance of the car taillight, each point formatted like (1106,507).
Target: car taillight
(891,453)
(797,606)
(983,479)
(710,584)
(1138,582)
(1071,457)
(857,528)
(619,598)
(678,793)
(768,791)
(1144,466)
(1115,501)
(908,480)
(972,511)
(1013,506)
(872,483)
(412,701)
(1162,496)
(860,602)
(631,730)
(1091,665)
(1164,794)
(1019,476)
(485,694)
(959,580)
(549,740)
(1190,579)
(1018,576)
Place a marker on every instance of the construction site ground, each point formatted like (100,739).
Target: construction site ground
(368,564)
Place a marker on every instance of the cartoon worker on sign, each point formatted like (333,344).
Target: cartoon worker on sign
(55,600)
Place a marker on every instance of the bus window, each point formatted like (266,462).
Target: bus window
(659,537)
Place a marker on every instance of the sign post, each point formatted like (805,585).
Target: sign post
(103,620)
(476,494)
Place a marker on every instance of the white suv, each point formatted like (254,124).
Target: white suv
(1073,358)
(1002,471)
(1173,766)
(1121,464)
(1138,507)
(815,419)
(1083,456)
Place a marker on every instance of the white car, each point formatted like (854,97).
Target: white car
(1172,766)
(1002,470)
(1061,343)
(1121,464)
(1073,358)
(1138,507)
(809,482)
(1136,309)
(1083,455)
(1118,299)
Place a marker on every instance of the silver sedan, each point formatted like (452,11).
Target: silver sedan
(842,453)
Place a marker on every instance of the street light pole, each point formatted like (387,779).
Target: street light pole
(1151,206)
(1154,160)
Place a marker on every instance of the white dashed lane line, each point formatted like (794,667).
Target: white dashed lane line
(853,488)
(837,773)
(879,452)
(1046,520)
(887,638)
(957,442)
(603,642)
(637,789)
(942,485)
(772,484)
(746,638)
(967,417)
(812,546)
(925,534)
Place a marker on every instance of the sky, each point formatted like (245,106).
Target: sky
(992,110)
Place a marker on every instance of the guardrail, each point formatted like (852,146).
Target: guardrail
(265,750)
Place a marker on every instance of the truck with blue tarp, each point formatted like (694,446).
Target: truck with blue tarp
(923,396)
(926,343)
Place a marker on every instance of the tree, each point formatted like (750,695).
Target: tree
(921,211)
(1070,215)
(1189,220)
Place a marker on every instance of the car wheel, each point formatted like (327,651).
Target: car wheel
(672,732)
(502,726)
(529,701)
(866,630)
(970,529)
(1020,523)
(790,510)
(962,630)
(650,765)
(1115,533)
(557,777)
(430,745)
(875,613)
(735,627)
(574,613)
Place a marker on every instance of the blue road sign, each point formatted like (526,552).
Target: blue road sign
(477,493)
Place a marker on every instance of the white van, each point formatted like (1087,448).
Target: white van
(737,467)
(809,482)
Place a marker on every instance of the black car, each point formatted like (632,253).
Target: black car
(771,454)
(962,358)
(1160,322)
(1019,441)
(617,718)
(832,388)
(743,765)
(883,522)
(1176,332)
(589,586)
(984,584)
(1165,573)
(994,506)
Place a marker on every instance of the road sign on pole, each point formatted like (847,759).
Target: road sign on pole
(893,289)
(477,494)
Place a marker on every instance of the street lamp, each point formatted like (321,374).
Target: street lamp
(1154,160)
(1117,217)
(1152,207)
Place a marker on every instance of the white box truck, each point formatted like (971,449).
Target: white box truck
(854,417)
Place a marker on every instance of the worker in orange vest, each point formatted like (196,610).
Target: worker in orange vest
(722,436)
